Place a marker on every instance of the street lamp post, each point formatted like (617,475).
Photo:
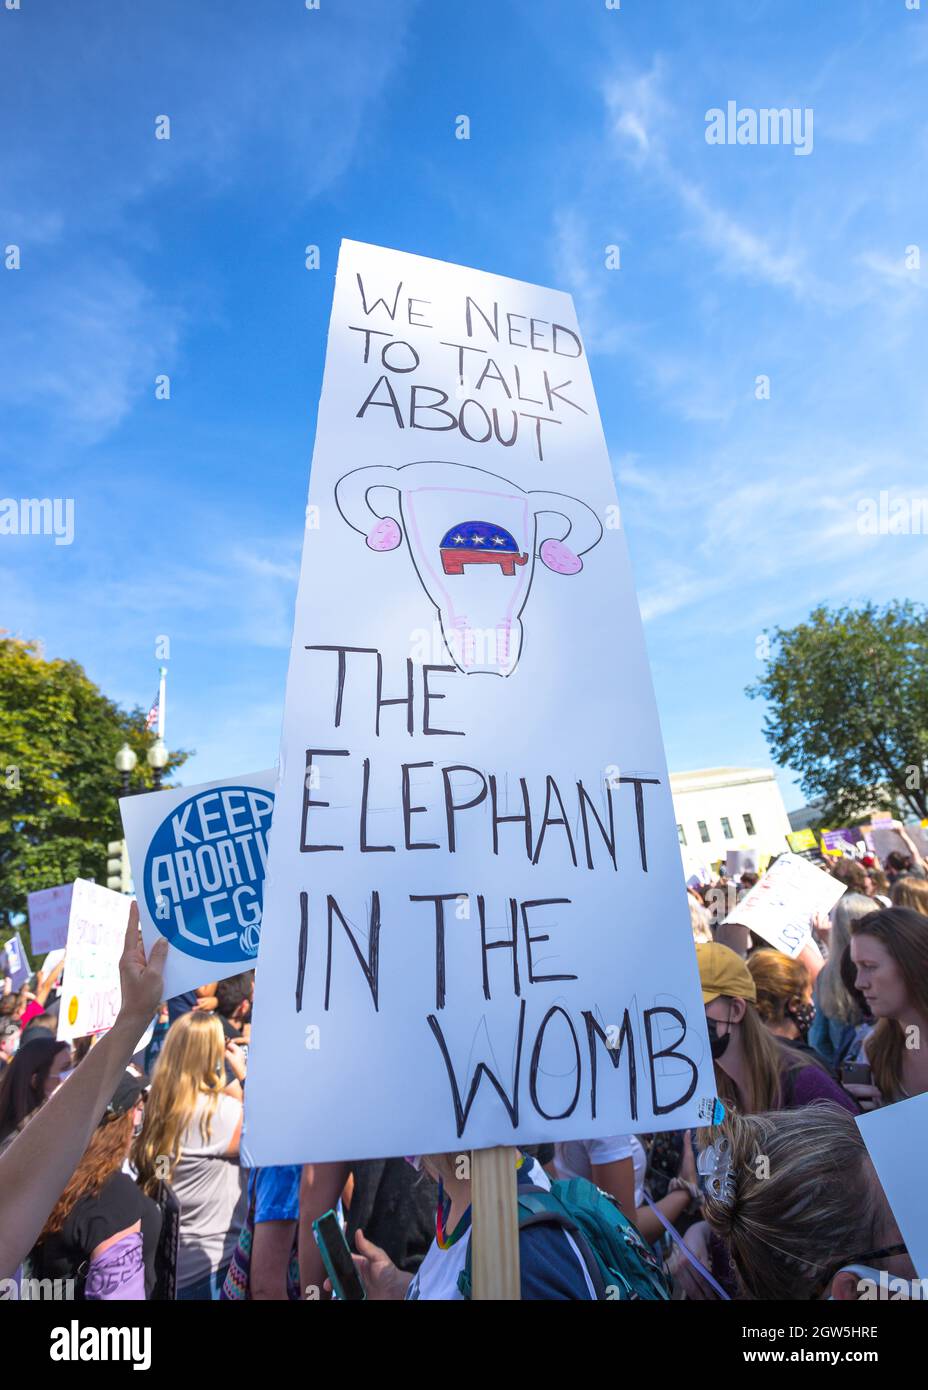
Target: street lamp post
(158,761)
(125,765)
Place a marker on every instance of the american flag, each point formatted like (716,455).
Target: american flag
(151,719)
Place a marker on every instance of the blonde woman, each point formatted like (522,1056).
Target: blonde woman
(839,1018)
(813,1221)
(910,892)
(190,1137)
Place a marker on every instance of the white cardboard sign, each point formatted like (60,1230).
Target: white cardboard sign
(780,907)
(49,910)
(474,932)
(96,933)
(896,1137)
(198,857)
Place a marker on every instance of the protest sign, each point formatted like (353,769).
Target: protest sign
(49,910)
(798,840)
(883,837)
(896,1137)
(781,906)
(844,843)
(741,861)
(14,962)
(96,932)
(54,957)
(474,932)
(918,833)
(198,857)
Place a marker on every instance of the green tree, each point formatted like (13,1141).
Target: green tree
(59,735)
(847,695)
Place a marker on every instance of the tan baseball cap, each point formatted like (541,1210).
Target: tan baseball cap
(722,971)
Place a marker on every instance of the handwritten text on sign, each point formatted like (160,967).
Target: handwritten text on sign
(475,924)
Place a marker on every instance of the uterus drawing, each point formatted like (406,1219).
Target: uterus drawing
(473,538)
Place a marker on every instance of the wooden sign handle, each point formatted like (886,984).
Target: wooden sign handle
(495,1237)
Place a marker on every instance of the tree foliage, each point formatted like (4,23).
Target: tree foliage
(847,695)
(59,735)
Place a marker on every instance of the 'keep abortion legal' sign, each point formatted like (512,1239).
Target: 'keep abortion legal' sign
(198,857)
(475,927)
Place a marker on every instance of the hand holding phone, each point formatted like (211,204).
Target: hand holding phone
(339,1266)
(856,1074)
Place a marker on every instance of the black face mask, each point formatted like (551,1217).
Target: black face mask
(803,1016)
(717,1045)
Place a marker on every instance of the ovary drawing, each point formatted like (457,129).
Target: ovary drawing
(472,537)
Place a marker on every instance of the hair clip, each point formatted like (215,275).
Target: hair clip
(714,1164)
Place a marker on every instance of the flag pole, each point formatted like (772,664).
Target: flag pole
(161,701)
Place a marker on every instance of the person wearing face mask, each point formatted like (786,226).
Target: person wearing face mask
(103,1231)
(835,1232)
(889,952)
(784,999)
(755,1071)
(234,1001)
(9,1041)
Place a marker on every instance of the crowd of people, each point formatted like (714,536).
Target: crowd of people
(129,1184)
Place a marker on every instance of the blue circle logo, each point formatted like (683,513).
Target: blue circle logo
(204,873)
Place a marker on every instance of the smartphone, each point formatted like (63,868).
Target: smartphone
(856,1074)
(339,1266)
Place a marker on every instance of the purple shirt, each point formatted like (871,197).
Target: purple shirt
(809,1084)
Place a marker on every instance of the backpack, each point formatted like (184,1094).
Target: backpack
(620,1264)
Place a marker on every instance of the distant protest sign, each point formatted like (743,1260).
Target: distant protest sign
(780,908)
(49,910)
(918,833)
(883,837)
(476,931)
(741,861)
(14,962)
(896,1137)
(844,843)
(198,857)
(799,840)
(96,933)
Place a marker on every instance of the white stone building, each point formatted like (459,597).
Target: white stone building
(723,808)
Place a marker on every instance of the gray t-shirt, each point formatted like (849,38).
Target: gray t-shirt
(211,1189)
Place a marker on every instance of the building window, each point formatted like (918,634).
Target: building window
(681,834)
(703,831)
(749,824)
(726,828)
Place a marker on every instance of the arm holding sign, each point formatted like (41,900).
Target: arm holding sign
(43,1157)
(913,847)
(46,983)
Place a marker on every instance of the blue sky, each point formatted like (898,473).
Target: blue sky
(290,127)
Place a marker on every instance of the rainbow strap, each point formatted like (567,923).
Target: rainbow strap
(443,1239)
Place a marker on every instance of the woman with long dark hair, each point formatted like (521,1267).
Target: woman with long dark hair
(28,1080)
